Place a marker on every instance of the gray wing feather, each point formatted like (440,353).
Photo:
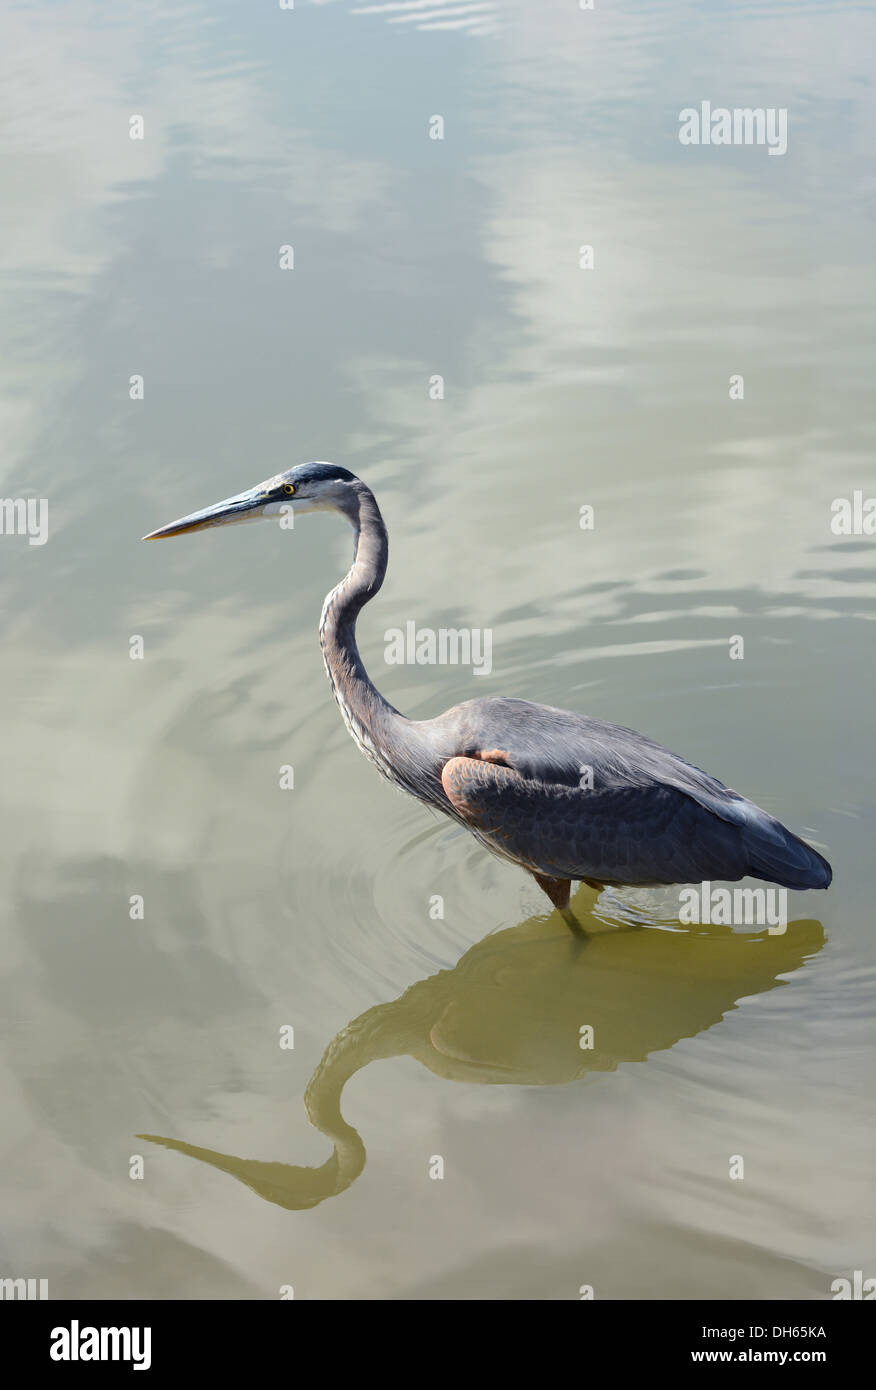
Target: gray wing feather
(640,836)
(643,816)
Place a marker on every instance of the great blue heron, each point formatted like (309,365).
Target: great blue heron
(512,772)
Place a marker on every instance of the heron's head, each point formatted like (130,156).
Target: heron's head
(308,488)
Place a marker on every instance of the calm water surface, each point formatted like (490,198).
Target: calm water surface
(310,908)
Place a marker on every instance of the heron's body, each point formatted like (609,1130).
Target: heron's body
(564,796)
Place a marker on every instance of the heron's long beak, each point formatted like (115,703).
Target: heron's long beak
(246,506)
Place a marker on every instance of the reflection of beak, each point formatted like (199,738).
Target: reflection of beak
(246,506)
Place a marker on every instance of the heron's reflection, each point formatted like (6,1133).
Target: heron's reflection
(512,1013)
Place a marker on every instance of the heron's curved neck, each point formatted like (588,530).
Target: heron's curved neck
(369,717)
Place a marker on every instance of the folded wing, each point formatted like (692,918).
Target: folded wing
(645,834)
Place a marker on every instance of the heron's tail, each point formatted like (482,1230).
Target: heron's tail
(778,856)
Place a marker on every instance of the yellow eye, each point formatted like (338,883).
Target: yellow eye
(289,487)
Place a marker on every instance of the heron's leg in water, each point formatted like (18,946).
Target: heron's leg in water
(558,890)
(568,915)
(573,924)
